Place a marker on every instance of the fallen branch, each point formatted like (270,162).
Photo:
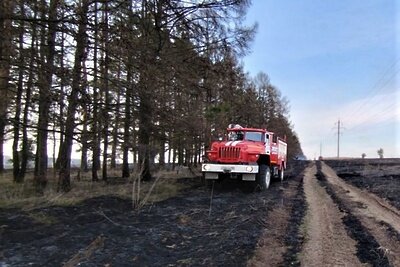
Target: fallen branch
(86,253)
(100,212)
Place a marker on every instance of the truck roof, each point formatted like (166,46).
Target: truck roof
(248,130)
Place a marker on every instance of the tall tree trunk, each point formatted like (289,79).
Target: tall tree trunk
(173,158)
(188,155)
(85,122)
(145,90)
(61,99)
(198,152)
(162,149)
(127,123)
(180,154)
(18,102)
(105,89)
(28,95)
(145,115)
(195,154)
(45,83)
(105,144)
(64,182)
(2,129)
(115,135)
(95,123)
(135,150)
(95,133)
(115,130)
(84,140)
(6,33)
(169,149)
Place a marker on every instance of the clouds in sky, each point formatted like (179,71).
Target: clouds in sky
(364,121)
(333,60)
(371,111)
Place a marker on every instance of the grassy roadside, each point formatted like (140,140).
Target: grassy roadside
(165,184)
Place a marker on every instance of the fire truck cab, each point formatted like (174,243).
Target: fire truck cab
(249,154)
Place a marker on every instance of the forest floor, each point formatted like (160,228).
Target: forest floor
(333,213)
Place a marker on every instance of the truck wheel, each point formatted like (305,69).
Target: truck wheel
(264,177)
(281,174)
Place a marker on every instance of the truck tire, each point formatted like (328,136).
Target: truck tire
(263,177)
(281,174)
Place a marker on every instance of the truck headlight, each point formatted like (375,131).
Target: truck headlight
(206,167)
(249,168)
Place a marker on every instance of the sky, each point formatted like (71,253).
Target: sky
(334,61)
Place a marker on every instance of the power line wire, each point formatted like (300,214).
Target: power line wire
(375,88)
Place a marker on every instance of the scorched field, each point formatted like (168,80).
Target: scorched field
(325,213)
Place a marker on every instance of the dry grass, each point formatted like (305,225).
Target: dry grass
(24,196)
(42,218)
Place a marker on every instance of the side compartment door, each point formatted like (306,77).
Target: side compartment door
(274,149)
(282,147)
(267,143)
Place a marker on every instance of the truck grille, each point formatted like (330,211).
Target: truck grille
(229,152)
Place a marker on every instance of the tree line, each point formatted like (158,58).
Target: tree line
(126,79)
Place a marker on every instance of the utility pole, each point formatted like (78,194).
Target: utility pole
(339,128)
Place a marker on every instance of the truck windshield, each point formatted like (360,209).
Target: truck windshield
(236,136)
(253,136)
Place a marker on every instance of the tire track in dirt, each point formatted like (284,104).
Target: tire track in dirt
(281,239)
(374,206)
(380,219)
(327,242)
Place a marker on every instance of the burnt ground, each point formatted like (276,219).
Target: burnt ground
(379,176)
(181,231)
(294,237)
(233,228)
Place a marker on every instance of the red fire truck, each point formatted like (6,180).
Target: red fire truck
(248,154)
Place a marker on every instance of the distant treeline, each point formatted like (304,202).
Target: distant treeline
(117,78)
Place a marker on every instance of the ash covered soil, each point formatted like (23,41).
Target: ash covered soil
(233,228)
(180,231)
(378,176)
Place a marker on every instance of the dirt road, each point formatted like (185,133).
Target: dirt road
(347,226)
(327,241)
(343,225)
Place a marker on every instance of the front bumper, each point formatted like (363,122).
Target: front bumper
(211,170)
